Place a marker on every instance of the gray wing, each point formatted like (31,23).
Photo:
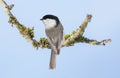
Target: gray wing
(55,35)
(60,38)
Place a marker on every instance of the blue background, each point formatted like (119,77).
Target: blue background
(18,59)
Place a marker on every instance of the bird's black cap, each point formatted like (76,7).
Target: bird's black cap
(51,17)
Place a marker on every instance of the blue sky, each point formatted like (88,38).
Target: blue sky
(18,59)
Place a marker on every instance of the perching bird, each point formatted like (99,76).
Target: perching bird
(55,35)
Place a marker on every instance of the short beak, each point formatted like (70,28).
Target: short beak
(41,19)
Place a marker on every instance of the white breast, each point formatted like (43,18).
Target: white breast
(49,23)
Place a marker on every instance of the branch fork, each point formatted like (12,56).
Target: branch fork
(70,39)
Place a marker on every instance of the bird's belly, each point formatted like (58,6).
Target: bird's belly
(52,33)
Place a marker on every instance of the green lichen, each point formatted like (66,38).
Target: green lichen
(26,31)
(44,43)
(67,36)
(36,44)
(13,20)
(73,32)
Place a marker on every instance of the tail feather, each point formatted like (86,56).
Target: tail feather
(52,60)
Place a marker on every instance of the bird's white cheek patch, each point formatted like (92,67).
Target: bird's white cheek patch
(49,23)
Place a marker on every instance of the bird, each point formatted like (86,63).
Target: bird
(55,34)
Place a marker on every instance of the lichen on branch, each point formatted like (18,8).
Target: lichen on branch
(70,39)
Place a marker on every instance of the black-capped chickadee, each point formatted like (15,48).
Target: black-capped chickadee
(55,35)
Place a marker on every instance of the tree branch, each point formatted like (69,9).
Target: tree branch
(70,39)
